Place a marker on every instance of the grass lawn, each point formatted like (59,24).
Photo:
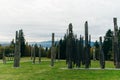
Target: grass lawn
(43,71)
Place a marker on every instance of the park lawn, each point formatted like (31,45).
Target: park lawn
(43,71)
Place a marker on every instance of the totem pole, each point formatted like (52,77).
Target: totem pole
(78,56)
(89,49)
(116,45)
(4,58)
(82,50)
(102,59)
(69,47)
(31,52)
(34,53)
(87,54)
(53,51)
(17,50)
(40,54)
(94,58)
(58,52)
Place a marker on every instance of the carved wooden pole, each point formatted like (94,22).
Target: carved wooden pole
(94,53)
(31,52)
(17,51)
(102,59)
(78,64)
(113,50)
(52,50)
(82,51)
(4,58)
(40,54)
(69,46)
(89,48)
(58,52)
(19,47)
(69,51)
(116,45)
(87,57)
(34,54)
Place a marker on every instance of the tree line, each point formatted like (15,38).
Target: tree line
(61,45)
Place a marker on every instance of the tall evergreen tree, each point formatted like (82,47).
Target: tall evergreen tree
(22,41)
(107,45)
(17,50)
(62,44)
(96,44)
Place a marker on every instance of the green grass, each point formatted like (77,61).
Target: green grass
(43,71)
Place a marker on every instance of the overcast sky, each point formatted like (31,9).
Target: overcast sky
(39,18)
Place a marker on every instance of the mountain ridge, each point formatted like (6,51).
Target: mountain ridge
(43,43)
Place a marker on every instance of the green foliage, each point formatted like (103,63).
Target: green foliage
(8,50)
(97,49)
(48,53)
(96,44)
(62,44)
(107,45)
(27,50)
(22,45)
(43,52)
(1,49)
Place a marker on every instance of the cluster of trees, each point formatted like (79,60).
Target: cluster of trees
(73,49)
(61,47)
(107,47)
(25,49)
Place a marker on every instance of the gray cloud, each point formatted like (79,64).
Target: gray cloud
(39,18)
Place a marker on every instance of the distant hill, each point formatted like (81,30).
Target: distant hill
(5,43)
(92,43)
(43,44)
(48,43)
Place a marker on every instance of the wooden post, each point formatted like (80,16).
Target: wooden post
(89,48)
(102,59)
(4,58)
(116,45)
(70,46)
(39,54)
(52,50)
(78,63)
(87,57)
(31,52)
(17,50)
(34,54)
(58,52)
